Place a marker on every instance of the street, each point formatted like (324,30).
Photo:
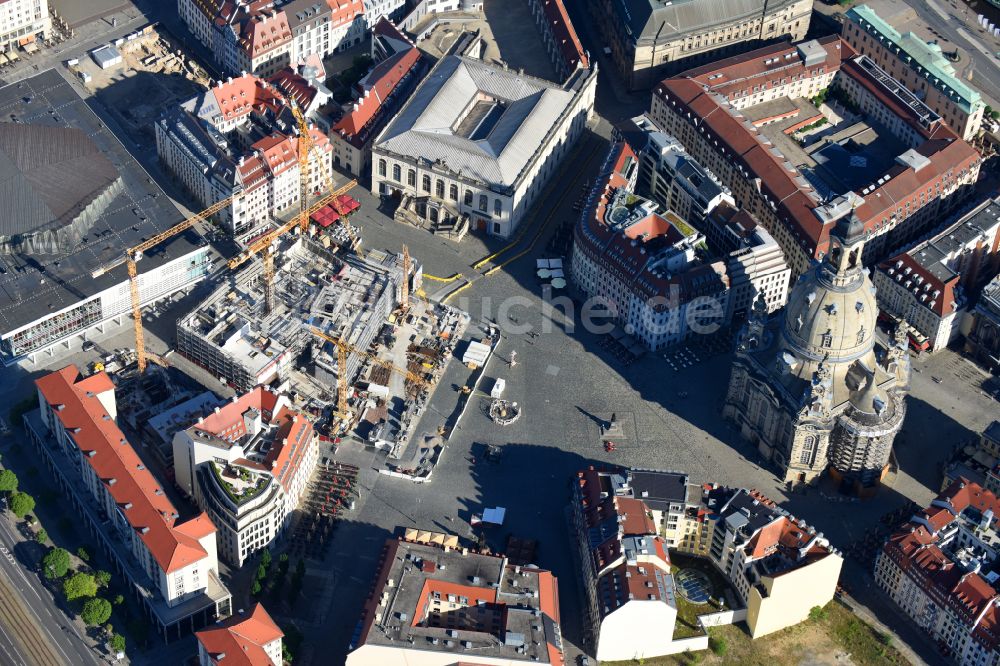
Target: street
(51,638)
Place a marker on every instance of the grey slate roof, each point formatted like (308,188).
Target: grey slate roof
(424,127)
(32,287)
(47,174)
(659,488)
(664,21)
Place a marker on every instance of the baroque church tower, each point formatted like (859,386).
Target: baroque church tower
(811,387)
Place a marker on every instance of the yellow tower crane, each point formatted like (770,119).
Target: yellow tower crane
(404,298)
(134,254)
(263,243)
(343,348)
(304,164)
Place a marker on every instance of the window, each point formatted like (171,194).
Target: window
(425,183)
(453,192)
(468,197)
(439,189)
(484,202)
(397,173)
(497,207)
(381,167)
(411,178)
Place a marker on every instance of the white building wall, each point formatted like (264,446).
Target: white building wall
(641,629)
(116,301)
(196,21)
(23,21)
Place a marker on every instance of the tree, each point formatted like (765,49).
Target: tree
(80,585)
(103,578)
(255,588)
(261,571)
(108,629)
(265,559)
(817,613)
(41,536)
(21,504)
(717,645)
(8,481)
(118,600)
(55,564)
(117,643)
(82,553)
(96,611)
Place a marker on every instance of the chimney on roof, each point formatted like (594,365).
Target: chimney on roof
(144,530)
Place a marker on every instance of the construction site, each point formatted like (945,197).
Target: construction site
(139,76)
(336,336)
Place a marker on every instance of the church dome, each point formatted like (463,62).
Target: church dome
(832,311)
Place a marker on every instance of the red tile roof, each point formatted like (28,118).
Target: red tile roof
(265,31)
(241,639)
(345,11)
(793,198)
(290,442)
(625,260)
(355,125)
(557,19)
(914,549)
(136,492)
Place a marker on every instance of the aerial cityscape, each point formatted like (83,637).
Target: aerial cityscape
(498,332)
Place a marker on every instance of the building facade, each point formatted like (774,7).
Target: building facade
(755,263)
(939,568)
(983,340)
(262,37)
(645,265)
(778,565)
(507,132)
(399,67)
(931,284)
(22,22)
(239,140)
(704,108)
(811,388)
(246,464)
(630,593)
(920,66)
(649,40)
(171,565)
(559,37)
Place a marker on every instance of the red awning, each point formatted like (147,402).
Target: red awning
(325,216)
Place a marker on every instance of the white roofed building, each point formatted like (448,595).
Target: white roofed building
(480,141)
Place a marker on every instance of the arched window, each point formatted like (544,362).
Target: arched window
(397,173)
(439,189)
(484,202)
(468,197)
(381,167)
(453,192)
(411,178)
(426,183)
(497,207)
